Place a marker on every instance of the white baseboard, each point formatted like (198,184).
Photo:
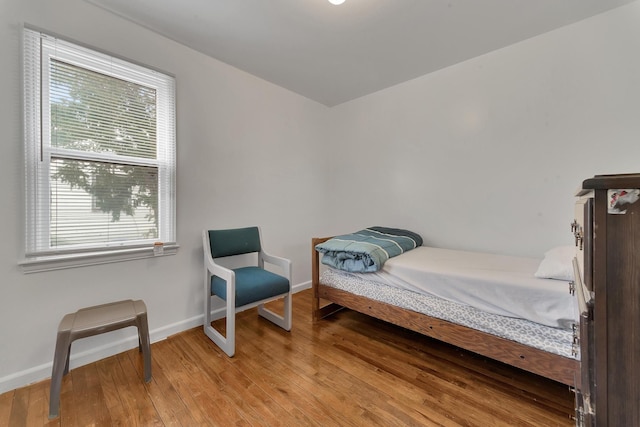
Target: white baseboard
(302,286)
(42,372)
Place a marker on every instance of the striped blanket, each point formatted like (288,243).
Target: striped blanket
(367,250)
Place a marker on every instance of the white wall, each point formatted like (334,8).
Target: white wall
(486,154)
(247,154)
(483,155)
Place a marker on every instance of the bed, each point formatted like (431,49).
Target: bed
(539,340)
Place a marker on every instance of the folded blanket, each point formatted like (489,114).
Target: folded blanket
(367,250)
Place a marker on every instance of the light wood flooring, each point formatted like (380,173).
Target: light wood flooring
(348,370)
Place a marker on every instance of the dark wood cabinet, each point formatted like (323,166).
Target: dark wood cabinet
(607,267)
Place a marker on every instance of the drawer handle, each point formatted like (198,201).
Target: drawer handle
(579,237)
(574,226)
(574,349)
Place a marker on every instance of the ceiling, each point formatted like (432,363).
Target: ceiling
(333,54)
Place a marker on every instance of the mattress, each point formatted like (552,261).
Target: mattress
(553,340)
(495,284)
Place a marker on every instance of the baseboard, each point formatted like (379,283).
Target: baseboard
(42,372)
(301,286)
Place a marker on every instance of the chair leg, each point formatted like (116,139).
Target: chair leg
(228,343)
(288,311)
(60,368)
(207,302)
(283,321)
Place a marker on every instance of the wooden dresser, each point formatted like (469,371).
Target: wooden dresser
(607,269)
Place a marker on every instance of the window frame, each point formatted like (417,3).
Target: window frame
(38,49)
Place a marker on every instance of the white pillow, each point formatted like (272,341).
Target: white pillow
(557,264)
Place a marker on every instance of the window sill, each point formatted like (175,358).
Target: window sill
(59,262)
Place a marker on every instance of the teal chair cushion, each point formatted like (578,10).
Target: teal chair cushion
(252,284)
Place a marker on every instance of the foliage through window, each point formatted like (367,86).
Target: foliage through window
(100,150)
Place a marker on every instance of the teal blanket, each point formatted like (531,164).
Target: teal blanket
(367,250)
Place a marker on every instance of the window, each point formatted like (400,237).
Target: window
(100,156)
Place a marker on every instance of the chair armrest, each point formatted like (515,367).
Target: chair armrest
(224,273)
(283,263)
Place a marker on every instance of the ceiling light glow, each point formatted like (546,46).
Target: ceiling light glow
(336,2)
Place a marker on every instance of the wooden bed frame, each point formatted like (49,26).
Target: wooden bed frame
(559,368)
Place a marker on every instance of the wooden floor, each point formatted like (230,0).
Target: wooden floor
(348,370)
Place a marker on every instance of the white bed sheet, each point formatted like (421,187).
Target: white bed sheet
(497,284)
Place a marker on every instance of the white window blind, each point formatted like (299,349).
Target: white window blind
(100,151)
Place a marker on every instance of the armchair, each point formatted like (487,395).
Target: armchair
(245,287)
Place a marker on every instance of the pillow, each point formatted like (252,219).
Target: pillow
(557,264)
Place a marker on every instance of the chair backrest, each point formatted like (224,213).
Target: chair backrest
(235,241)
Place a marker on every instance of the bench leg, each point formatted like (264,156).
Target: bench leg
(144,344)
(60,368)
